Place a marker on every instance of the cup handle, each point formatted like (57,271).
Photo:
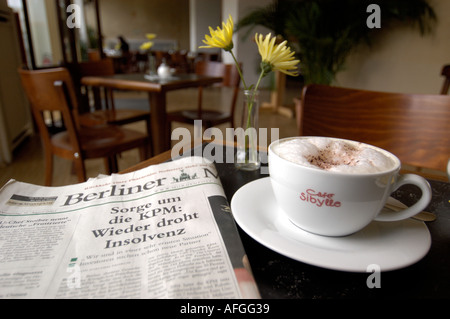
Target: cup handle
(414,209)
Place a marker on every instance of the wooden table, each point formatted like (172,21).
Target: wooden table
(156,89)
(278,276)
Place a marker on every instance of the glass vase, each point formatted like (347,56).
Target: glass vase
(247,155)
(152,65)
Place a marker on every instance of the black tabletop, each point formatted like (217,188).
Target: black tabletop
(278,276)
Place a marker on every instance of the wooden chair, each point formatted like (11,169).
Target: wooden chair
(446,73)
(209,116)
(53,90)
(103,110)
(445,87)
(416,128)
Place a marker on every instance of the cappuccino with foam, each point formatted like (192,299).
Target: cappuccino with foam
(335,155)
(336,187)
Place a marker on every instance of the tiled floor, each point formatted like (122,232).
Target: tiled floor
(28,164)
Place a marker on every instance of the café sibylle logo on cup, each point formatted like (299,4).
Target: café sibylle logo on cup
(319,199)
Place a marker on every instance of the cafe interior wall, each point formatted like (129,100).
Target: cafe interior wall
(402,60)
(134,18)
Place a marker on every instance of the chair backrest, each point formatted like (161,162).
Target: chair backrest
(228,72)
(446,73)
(96,68)
(211,68)
(50,90)
(103,67)
(232,79)
(416,128)
(90,68)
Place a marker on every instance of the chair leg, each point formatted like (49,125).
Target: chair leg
(205,127)
(80,169)
(149,134)
(198,131)
(107,164)
(169,131)
(111,164)
(144,153)
(48,168)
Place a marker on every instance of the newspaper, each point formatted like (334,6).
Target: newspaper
(165,231)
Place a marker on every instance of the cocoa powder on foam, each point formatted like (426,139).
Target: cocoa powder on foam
(328,157)
(334,155)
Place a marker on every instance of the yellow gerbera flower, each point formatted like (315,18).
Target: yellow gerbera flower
(220,38)
(146,45)
(276,56)
(273,57)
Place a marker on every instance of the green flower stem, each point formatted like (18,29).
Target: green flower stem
(249,140)
(239,69)
(250,104)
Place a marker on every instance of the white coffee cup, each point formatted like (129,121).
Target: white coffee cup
(339,203)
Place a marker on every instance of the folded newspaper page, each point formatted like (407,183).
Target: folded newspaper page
(165,231)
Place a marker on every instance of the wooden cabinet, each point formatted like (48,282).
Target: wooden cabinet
(15,117)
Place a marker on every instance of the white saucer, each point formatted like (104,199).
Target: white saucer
(389,245)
